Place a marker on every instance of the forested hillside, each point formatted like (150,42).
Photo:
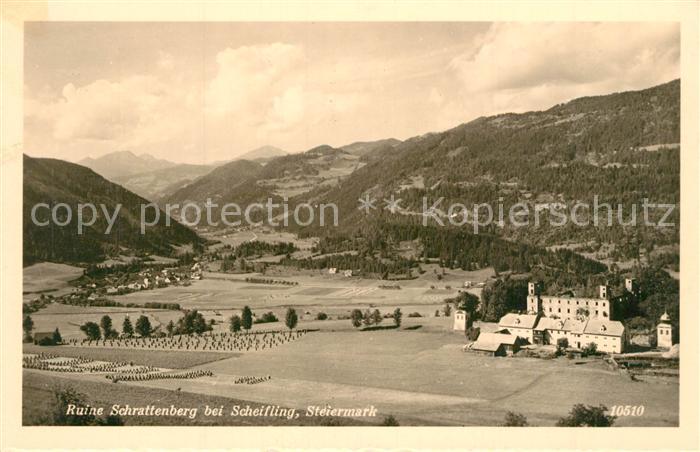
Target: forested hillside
(621,147)
(53,181)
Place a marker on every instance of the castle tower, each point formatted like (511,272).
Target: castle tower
(534,302)
(603,292)
(664,332)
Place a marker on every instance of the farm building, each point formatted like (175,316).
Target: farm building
(608,335)
(41,338)
(521,325)
(496,344)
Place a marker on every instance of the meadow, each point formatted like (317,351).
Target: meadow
(48,278)
(417,372)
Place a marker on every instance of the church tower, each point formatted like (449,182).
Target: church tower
(664,330)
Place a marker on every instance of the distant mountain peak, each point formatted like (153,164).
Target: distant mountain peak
(263,152)
(123,163)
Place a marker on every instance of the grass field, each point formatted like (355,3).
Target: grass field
(37,394)
(68,319)
(48,278)
(424,378)
(158,358)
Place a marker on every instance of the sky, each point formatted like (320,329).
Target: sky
(206,92)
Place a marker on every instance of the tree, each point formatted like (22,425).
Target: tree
(376,317)
(28,327)
(501,297)
(562,343)
(199,323)
(127,327)
(590,349)
(367,318)
(170,328)
(91,330)
(390,421)
(397,317)
(193,322)
(235,323)
(106,325)
(56,337)
(291,318)
(515,420)
(143,326)
(447,309)
(247,318)
(59,412)
(587,416)
(356,318)
(467,302)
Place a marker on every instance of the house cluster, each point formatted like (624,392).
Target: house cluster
(472,284)
(581,321)
(150,279)
(334,271)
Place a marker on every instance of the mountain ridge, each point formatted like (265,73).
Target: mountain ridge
(53,181)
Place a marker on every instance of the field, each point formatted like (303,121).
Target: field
(423,378)
(48,278)
(418,372)
(159,358)
(38,391)
(69,318)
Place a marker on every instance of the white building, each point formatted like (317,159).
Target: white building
(580,321)
(607,335)
(565,306)
(521,325)
(460,321)
(664,332)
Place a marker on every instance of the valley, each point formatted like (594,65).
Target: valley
(364,313)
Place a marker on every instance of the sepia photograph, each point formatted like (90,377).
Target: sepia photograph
(245,223)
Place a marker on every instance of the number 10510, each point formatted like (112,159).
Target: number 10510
(627,410)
